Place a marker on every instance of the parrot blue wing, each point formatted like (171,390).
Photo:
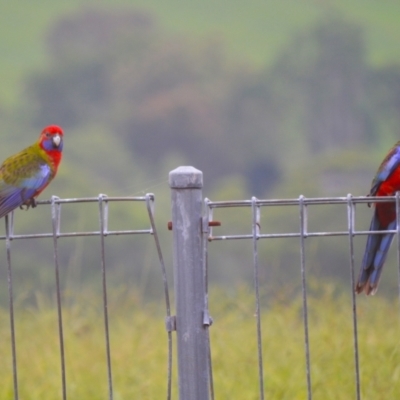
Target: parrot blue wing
(12,196)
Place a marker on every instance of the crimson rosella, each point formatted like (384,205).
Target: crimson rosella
(385,183)
(26,174)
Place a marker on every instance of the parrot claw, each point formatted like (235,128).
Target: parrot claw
(29,203)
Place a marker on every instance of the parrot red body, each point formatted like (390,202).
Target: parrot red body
(385,183)
(26,174)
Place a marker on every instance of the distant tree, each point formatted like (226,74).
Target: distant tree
(323,74)
(85,49)
(162,93)
(93,33)
(167,94)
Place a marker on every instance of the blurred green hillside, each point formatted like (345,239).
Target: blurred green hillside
(254,31)
(273,99)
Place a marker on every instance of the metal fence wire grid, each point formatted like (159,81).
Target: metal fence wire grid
(193,233)
(302,204)
(56,235)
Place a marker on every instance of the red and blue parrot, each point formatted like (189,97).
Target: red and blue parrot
(385,183)
(26,174)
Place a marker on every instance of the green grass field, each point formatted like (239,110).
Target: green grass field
(139,349)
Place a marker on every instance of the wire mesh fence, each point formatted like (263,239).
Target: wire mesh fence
(255,234)
(103,232)
(195,229)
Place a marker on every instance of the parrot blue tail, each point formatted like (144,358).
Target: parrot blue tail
(375,254)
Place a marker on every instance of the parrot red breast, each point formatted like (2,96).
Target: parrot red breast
(385,183)
(26,174)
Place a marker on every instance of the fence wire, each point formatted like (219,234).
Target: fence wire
(255,234)
(103,202)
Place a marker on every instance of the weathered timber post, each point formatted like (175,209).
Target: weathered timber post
(186,185)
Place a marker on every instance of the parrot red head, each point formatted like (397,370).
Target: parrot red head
(51,139)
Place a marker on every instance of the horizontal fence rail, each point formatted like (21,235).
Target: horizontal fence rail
(302,202)
(56,204)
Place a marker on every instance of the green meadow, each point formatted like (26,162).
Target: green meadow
(139,348)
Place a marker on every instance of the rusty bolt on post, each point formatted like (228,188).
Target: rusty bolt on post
(210,223)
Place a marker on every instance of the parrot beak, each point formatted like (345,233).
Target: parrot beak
(56,140)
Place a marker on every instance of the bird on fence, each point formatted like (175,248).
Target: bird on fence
(385,183)
(26,174)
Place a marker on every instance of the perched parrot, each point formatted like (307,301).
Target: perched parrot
(26,174)
(385,183)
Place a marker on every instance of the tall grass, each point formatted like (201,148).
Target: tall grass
(139,348)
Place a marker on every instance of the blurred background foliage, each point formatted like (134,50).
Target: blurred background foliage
(267,98)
